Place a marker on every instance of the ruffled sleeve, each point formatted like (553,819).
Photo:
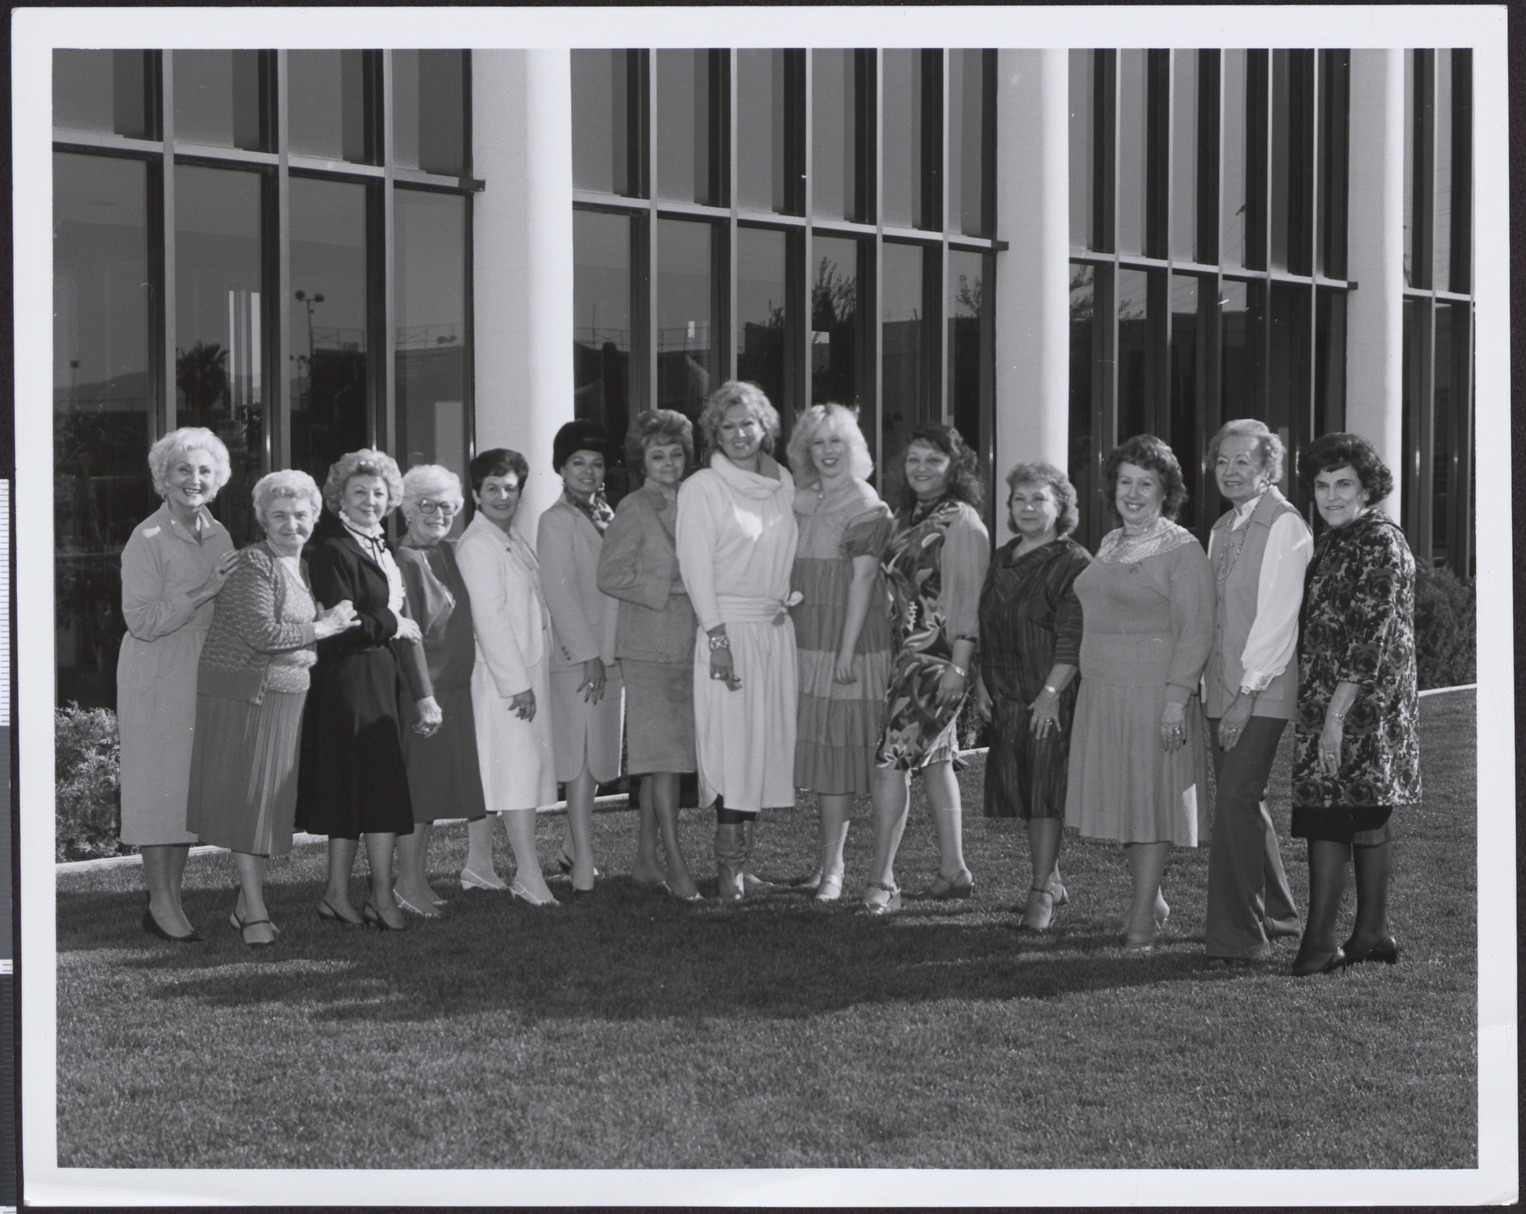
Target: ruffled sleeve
(868,533)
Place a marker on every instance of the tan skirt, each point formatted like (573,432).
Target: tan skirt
(584,734)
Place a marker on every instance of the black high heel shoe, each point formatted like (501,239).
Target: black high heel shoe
(327,911)
(151,926)
(1314,963)
(373,918)
(1385,950)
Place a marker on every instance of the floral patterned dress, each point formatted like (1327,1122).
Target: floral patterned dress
(934,567)
(1358,626)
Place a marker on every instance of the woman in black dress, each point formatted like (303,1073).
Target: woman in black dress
(351,778)
(1030,628)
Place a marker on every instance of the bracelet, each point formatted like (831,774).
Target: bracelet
(1051,689)
(1339,716)
(959,670)
(722,641)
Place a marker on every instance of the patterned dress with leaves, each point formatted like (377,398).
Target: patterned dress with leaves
(1358,626)
(934,566)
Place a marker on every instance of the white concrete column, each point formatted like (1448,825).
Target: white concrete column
(1375,257)
(522,258)
(1033,275)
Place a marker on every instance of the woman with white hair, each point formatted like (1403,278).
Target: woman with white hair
(251,686)
(441,746)
(352,780)
(842,626)
(736,540)
(173,567)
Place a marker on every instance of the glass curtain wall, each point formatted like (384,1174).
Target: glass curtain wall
(207,275)
(1438,307)
(819,222)
(1206,265)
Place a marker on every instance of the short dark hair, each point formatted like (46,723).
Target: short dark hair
(963,465)
(579,435)
(1037,472)
(1332,451)
(499,461)
(1147,451)
(653,427)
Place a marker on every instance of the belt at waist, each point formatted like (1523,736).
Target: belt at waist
(747,609)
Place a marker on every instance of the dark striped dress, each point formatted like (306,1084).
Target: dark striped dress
(1030,619)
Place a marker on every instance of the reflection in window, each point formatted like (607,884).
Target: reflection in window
(1288,352)
(1184,154)
(605,92)
(1083,457)
(432,340)
(766,138)
(330,392)
(969,359)
(429,111)
(1329,363)
(218,326)
(837,136)
(1443,402)
(1182,430)
(836,342)
(1333,139)
(1082,178)
(220,99)
(690,117)
(968,118)
(601,305)
(1237,345)
(1410,135)
(687,361)
(102,383)
(761,314)
(903,191)
(326,105)
(1136,355)
(1441,209)
(904,343)
(1234,135)
(1133,106)
(103,91)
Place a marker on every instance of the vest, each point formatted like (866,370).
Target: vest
(1235,611)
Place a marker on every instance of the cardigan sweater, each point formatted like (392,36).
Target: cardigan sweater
(254,643)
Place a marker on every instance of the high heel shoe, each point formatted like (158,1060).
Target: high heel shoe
(243,925)
(524,895)
(944,889)
(1059,893)
(1036,916)
(374,918)
(878,906)
(696,896)
(151,926)
(829,888)
(1162,909)
(471,880)
(1385,950)
(327,911)
(1307,964)
(408,906)
(565,863)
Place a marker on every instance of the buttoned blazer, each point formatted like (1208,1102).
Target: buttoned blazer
(583,617)
(639,566)
(502,577)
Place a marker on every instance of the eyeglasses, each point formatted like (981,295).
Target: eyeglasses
(429,506)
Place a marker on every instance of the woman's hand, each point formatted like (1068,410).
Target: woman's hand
(1330,739)
(1044,714)
(592,685)
(523,704)
(209,589)
(407,628)
(951,686)
(842,671)
(723,670)
(1232,723)
(430,717)
(339,618)
(1173,727)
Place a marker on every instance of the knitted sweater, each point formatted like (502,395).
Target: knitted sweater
(262,634)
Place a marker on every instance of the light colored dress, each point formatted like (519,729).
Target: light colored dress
(513,636)
(162,564)
(567,544)
(736,540)
(839,723)
(1148,626)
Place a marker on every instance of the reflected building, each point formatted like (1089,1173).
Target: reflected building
(312,251)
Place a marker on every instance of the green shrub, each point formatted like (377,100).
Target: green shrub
(85,783)
(1446,627)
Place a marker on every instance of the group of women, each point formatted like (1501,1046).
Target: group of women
(772,628)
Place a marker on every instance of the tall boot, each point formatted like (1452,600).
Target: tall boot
(1370,938)
(730,856)
(751,883)
(1318,952)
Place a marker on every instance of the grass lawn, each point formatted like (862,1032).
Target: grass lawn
(629,1030)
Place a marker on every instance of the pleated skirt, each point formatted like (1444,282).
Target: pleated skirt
(243,792)
(1121,783)
(659,716)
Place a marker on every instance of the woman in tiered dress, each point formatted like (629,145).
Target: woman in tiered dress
(842,628)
